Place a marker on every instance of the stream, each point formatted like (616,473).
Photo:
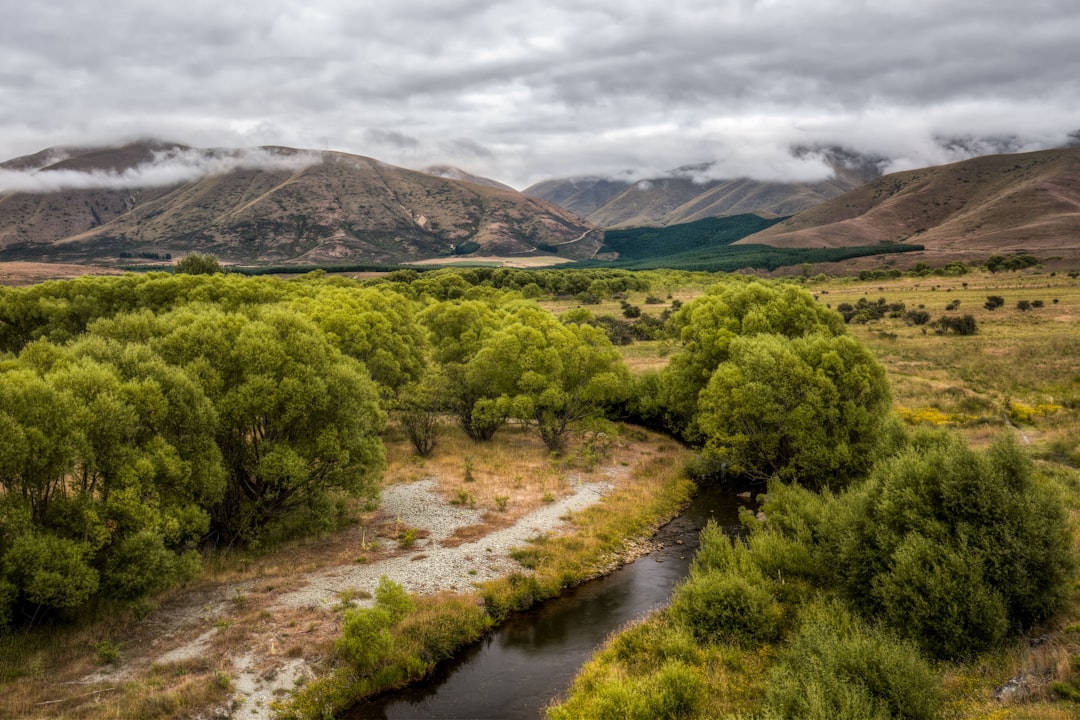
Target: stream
(531,659)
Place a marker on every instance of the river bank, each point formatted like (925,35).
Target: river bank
(257,637)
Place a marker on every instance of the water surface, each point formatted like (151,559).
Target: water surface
(532,658)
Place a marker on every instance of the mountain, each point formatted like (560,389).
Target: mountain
(1026,202)
(265,205)
(582,195)
(687,194)
(449,172)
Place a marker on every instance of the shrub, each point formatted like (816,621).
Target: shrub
(916,317)
(198,264)
(959,325)
(1023,305)
(808,410)
(937,593)
(993,302)
(955,547)
(675,690)
(365,638)
(725,607)
(839,667)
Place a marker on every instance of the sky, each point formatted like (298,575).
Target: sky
(521,91)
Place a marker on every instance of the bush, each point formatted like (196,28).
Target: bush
(839,667)
(916,317)
(724,607)
(726,599)
(675,690)
(198,264)
(993,302)
(955,547)
(958,325)
(808,410)
(937,593)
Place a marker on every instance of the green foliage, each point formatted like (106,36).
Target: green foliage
(955,547)
(50,571)
(519,361)
(726,607)
(864,311)
(707,245)
(1002,263)
(108,653)
(198,264)
(420,407)
(809,410)
(649,242)
(837,667)
(365,638)
(675,690)
(964,325)
(392,598)
(708,325)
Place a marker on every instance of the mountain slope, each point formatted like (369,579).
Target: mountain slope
(687,195)
(582,195)
(997,203)
(266,205)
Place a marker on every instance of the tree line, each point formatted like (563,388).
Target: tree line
(144,419)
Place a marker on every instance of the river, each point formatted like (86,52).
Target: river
(531,659)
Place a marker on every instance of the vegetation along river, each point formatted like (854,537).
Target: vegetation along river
(529,660)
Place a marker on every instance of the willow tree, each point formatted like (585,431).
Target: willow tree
(812,410)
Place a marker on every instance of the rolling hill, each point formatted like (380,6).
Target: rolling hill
(1025,202)
(264,205)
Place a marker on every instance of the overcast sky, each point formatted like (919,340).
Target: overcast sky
(521,91)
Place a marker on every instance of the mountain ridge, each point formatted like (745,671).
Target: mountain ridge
(267,205)
(687,193)
(1022,202)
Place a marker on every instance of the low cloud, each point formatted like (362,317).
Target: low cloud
(167,167)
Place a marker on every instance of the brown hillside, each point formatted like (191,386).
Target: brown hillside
(337,207)
(999,203)
(679,199)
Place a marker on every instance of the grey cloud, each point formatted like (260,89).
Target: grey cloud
(553,88)
(467,148)
(392,138)
(170,167)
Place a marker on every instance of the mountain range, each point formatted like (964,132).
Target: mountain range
(689,193)
(265,205)
(150,200)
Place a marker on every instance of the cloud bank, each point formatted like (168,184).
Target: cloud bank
(520,90)
(167,167)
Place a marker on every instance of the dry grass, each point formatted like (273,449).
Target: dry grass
(511,476)
(44,672)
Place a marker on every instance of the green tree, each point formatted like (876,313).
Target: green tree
(812,410)
(296,418)
(536,369)
(420,406)
(376,327)
(198,264)
(708,325)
